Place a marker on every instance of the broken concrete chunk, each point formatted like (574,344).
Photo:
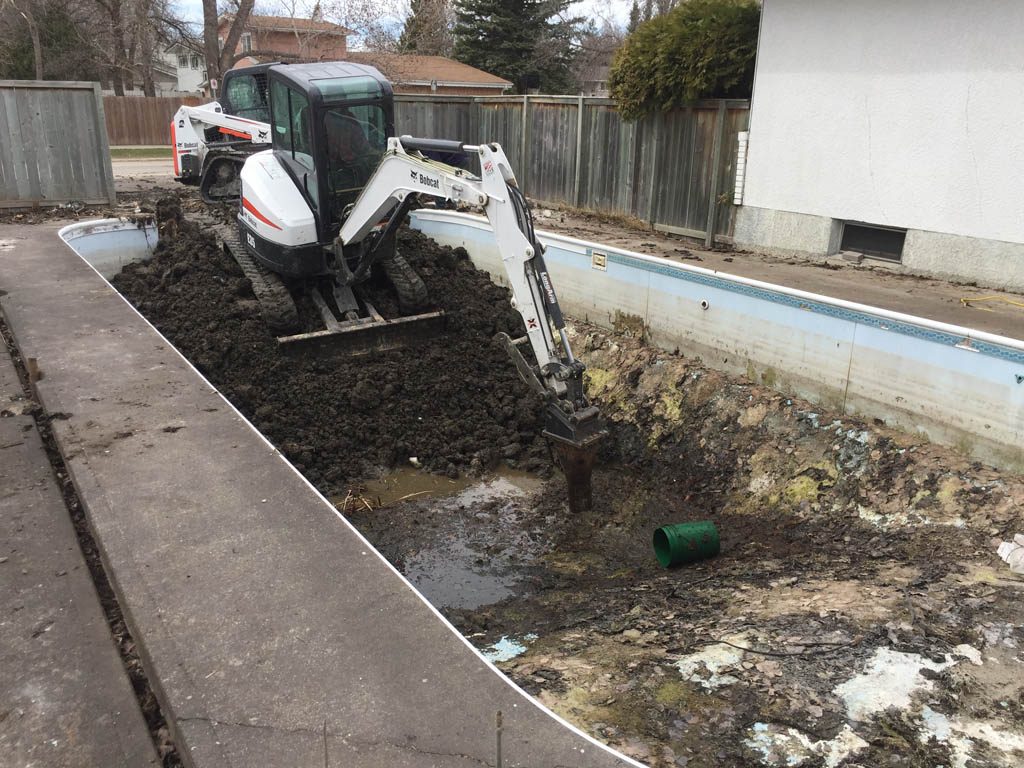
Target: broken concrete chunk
(1012,553)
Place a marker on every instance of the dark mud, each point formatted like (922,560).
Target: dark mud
(453,404)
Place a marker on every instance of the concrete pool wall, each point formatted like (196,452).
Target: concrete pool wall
(954,385)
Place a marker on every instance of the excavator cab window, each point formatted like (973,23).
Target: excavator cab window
(292,129)
(356,141)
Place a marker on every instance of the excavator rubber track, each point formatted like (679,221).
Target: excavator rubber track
(276,302)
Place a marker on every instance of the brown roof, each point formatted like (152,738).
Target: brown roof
(410,68)
(289,24)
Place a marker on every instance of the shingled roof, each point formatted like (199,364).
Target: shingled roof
(289,24)
(412,69)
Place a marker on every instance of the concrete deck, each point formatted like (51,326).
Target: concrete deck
(272,632)
(65,699)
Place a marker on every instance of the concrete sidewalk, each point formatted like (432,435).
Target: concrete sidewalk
(273,634)
(65,699)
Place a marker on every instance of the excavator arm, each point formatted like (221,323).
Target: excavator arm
(572,424)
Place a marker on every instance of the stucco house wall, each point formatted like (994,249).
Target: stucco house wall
(899,113)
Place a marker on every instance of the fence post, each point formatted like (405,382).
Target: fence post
(657,121)
(716,159)
(579,151)
(104,142)
(523,144)
(634,188)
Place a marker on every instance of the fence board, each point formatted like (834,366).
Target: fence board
(143,120)
(53,148)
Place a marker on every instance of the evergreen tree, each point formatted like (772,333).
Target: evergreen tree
(634,18)
(63,57)
(528,42)
(428,29)
(699,49)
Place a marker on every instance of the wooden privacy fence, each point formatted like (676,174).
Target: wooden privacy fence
(675,170)
(53,144)
(143,120)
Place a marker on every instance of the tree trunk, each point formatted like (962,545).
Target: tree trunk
(218,59)
(25,9)
(148,86)
(118,55)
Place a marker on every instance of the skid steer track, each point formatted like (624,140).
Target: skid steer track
(275,301)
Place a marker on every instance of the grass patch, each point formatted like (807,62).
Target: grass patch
(140,153)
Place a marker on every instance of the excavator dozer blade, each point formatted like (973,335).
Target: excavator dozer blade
(364,336)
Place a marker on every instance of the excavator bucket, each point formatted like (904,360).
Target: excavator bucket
(577,463)
(575,441)
(364,335)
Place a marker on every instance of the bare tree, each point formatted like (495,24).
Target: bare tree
(596,46)
(27,9)
(220,59)
(429,28)
(373,21)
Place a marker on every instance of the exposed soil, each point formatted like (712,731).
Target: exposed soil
(857,615)
(452,404)
(840,541)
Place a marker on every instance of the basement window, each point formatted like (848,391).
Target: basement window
(871,240)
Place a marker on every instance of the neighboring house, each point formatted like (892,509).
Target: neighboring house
(165,82)
(890,127)
(410,73)
(597,83)
(270,38)
(283,37)
(188,65)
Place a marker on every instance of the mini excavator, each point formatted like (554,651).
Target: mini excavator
(323,185)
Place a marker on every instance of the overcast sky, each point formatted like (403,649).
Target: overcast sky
(616,10)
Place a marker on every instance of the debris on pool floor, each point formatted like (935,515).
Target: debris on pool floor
(508,648)
(858,572)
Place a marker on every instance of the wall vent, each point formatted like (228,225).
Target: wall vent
(871,240)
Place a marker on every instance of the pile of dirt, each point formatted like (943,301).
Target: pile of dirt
(453,404)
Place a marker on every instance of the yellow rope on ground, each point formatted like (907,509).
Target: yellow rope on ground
(967,302)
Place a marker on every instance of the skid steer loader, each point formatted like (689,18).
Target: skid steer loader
(321,207)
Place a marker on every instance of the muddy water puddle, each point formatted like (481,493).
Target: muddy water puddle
(462,543)
(407,483)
